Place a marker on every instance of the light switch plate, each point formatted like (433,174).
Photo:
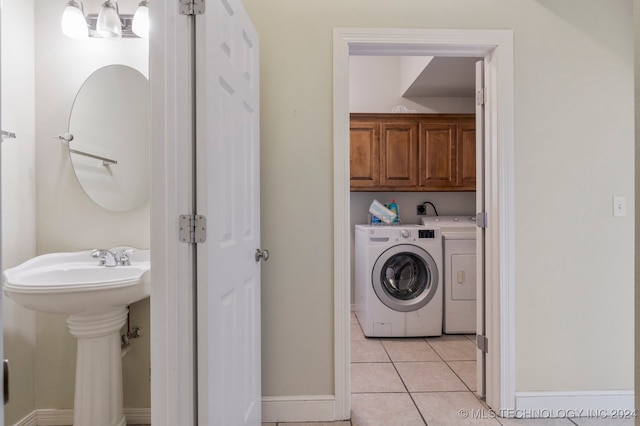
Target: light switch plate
(619,206)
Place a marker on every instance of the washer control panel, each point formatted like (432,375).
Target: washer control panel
(426,233)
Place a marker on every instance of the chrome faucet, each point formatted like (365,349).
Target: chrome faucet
(112,258)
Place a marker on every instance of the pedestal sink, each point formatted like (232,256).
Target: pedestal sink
(95,299)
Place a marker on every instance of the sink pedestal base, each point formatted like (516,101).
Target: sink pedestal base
(98,393)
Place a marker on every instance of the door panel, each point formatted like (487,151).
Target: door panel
(466,159)
(437,155)
(364,155)
(227,188)
(399,143)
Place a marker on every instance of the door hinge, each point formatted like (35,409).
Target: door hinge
(482,343)
(191,7)
(481,96)
(482,219)
(193,229)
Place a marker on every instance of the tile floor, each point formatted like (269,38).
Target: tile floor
(423,381)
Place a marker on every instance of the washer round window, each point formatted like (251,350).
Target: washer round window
(405,278)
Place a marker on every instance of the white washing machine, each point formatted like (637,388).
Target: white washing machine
(398,280)
(459,272)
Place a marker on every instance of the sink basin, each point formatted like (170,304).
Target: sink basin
(73,283)
(95,300)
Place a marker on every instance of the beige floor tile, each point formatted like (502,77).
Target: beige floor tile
(356,332)
(585,421)
(368,350)
(453,408)
(454,348)
(269,424)
(384,409)
(466,370)
(401,350)
(375,377)
(535,422)
(354,319)
(429,377)
(448,337)
(347,423)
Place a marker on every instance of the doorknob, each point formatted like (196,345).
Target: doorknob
(262,255)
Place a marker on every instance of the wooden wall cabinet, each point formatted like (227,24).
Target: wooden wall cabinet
(413,152)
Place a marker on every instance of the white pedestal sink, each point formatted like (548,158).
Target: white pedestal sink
(95,298)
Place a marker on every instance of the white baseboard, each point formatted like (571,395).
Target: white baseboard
(311,408)
(604,404)
(30,420)
(138,416)
(62,417)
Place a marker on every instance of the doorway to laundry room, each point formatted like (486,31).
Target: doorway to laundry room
(412,146)
(495,171)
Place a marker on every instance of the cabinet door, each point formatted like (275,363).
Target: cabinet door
(466,156)
(437,150)
(398,157)
(365,157)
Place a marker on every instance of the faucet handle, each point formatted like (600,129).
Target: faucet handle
(123,257)
(101,255)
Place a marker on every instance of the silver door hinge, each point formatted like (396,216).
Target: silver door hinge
(481,96)
(193,229)
(191,7)
(482,219)
(482,343)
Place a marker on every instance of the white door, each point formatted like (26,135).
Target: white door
(480,233)
(228,194)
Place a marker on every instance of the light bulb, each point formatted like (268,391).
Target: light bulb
(109,25)
(74,24)
(140,24)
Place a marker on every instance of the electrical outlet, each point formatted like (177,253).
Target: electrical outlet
(421,210)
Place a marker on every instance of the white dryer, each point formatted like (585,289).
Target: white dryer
(459,254)
(398,280)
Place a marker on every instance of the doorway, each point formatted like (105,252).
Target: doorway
(496,49)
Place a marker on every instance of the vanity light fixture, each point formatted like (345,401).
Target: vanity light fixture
(140,24)
(74,24)
(108,23)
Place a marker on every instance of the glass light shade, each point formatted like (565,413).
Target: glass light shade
(74,24)
(140,24)
(109,25)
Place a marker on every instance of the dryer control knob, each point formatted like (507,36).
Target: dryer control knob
(405,233)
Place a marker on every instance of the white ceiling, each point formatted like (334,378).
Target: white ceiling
(445,77)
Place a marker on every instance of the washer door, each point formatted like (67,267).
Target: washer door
(405,277)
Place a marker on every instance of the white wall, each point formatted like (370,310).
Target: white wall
(574,261)
(410,69)
(18,196)
(375,85)
(67,219)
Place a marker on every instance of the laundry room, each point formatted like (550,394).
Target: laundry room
(412,213)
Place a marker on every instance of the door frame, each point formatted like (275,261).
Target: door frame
(496,48)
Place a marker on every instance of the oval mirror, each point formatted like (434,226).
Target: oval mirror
(109,149)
